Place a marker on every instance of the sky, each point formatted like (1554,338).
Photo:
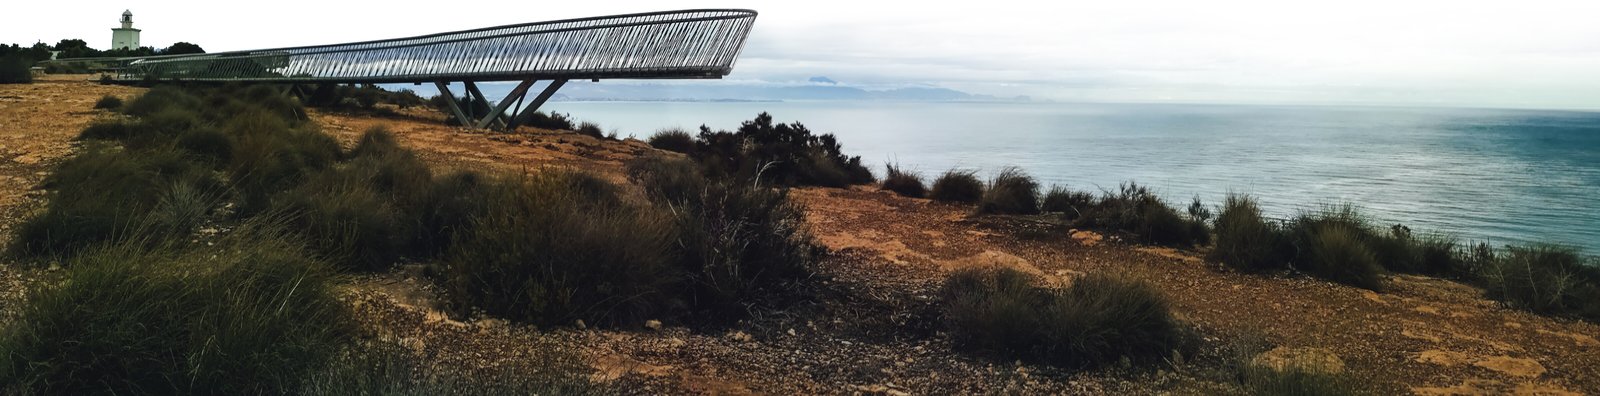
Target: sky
(1520,54)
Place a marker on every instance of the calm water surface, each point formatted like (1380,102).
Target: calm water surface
(1507,176)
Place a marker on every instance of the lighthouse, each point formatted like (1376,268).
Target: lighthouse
(125,37)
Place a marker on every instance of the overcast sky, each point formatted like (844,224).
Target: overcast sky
(1522,53)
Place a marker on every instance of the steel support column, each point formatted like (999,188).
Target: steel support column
(527,112)
(500,109)
(444,89)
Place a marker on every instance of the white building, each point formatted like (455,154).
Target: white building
(125,37)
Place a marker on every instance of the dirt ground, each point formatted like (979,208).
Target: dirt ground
(874,329)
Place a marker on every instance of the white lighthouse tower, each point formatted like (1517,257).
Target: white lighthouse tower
(125,37)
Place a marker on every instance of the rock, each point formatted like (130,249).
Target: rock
(740,336)
(1316,360)
(580,325)
(652,324)
(792,333)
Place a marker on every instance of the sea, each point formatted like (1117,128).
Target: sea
(1482,175)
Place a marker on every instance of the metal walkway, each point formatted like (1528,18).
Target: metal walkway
(701,43)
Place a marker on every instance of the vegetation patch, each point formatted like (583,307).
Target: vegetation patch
(905,183)
(674,139)
(14,69)
(108,102)
(1247,241)
(1011,191)
(250,315)
(1545,279)
(957,186)
(1134,208)
(1070,203)
(783,154)
(1099,319)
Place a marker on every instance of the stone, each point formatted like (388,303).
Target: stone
(652,324)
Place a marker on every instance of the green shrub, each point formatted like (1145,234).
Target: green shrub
(1068,202)
(551,121)
(108,102)
(161,98)
(1545,279)
(108,130)
(249,316)
(673,139)
(1336,252)
(785,154)
(15,70)
(363,213)
(208,145)
(269,157)
(448,209)
(902,182)
(1099,319)
(1010,192)
(957,186)
(547,250)
(1246,241)
(1438,256)
(1134,208)
(667,180)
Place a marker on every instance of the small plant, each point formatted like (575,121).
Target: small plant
(108,102)
(1246,241)
(673,139)
(783,154)
(903,182)
(1336,252)
(957,186)
(1134,208)
(1010,192)
(1099,319)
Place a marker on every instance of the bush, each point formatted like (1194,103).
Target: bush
(551,121)
(1070,203)
(1545,279)
(1133,208)
(249,316)
(108,102)
(1010,192)
(362,213)
(1246,241)
(673,140)
(738,245)
(1099,319)
(15,70)
(160,98)
(785,154)
(550,248)
(957,186)
(270,157)
(904,183)
(1336,252)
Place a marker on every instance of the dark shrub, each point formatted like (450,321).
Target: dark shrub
(106,194)
(957,186)
(739,245)
(107,130)
(1437,255)
(1545,279)
(591,129)
(902,182)
(160,98)
(1068,202)
(448,209)
(552,121)
(1099,319)
(207,144)
(1336,252)
(785,154)
(1010,192)
(362,213)
(108,102)
(673,140)
(270,157)
(545,251)
(1246,241)
(250,316)
(15,70)
(1134,208)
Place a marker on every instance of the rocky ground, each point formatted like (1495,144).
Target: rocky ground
(873,327)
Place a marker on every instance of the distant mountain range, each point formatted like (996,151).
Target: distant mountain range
(817,88)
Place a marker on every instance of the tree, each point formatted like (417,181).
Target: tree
(75,48)
(180,48)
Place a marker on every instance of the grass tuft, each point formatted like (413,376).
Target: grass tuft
(1246,241)
(957,186)
(1010,192)
(108,102)
(903,182)
(673,139)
